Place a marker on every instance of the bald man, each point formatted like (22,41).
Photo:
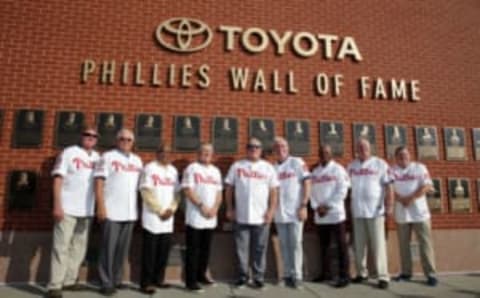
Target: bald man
(372,198)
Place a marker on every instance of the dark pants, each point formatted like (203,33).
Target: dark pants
(197,254)
(336,233)
(155,251)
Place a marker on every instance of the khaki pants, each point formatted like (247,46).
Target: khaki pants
(370,231)
(423,233)
(70,237)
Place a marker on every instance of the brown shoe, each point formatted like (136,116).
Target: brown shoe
(74,287)
(149,290)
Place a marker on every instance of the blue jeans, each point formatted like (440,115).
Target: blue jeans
(291,244)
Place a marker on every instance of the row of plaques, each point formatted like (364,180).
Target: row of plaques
(23,187)
(148,130)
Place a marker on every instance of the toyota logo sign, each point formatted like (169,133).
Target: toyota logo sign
(184,35)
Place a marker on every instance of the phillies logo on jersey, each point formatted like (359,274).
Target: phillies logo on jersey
(250,174)
(199,179)
(157,180)
(118,166)
(323,179)
(362,172)
(80,163)
(286,175)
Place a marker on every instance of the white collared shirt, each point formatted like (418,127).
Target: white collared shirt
(75,165)
(205,181)
(291,174)
(162,180)
(252,181)
(121,172)
(330,185)
(406,181)
(368,179)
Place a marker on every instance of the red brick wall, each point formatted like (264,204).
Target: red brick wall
(42,45)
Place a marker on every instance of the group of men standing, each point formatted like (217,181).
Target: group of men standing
(257,193)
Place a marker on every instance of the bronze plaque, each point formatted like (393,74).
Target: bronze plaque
(28,129)
(186,133)
(108,125)
(454,143)
(331,133)
(459,195)
(68,128)
(476,142)
(148,131)
(367,131)
(434,197)
(22,190)
(264,130)
(395,136)
(427,142)
(225,134)
(297,133)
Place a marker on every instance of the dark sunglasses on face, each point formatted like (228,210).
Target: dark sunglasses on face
(122,139)
(87,134)
(253,146)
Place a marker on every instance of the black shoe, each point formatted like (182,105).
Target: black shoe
(121,286)
(289,282)
(149,290)
(241,283)
(319,279)
(258,284)
(383,284)
(195,288)
(73,288)
(432,281)
(163,285)
(54,293)
(341,283)
(108,291)
(359,279)
(207,281)
(403,277)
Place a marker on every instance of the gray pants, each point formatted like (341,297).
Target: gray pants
(114,249)
(251,239)
(70,237)
(424,238)
(291,244)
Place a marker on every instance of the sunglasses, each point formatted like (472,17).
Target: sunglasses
(253,146)
(91,135)
(122,139)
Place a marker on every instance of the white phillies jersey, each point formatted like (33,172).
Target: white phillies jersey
(368,179)
(163,182)
(330,185)
(76,166)
(291,173)
(252,181)
(405,182)
(205,181)
(121,172)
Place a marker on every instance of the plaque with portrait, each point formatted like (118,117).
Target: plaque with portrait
(186,133)
(28,130)
(476,142)
(21,190)
(427,142)
(459,195)
(331,133)
(225,134)
(148,131)
(434,196)
(108,125)
(68,128)
(366,131)
(395,136)
(455,143)
(297,133)
(264,130)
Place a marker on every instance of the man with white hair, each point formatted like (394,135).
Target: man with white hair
(116,186)
(72,211)
(411,183)
(372,194)
(202,184)
(255,183)
(293,196)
